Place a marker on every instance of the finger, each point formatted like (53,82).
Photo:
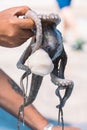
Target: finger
(25,34)
(25,23)
(22,23)
(17,11)
(21,10)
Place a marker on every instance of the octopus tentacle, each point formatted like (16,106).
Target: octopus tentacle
(35,86)
(34,16)
(50,18)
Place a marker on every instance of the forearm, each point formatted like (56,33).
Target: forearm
(11,101)
(34,118)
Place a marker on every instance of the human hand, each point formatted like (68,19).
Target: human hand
(65,128)
(14,31)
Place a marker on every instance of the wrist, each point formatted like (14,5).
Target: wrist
(49,126)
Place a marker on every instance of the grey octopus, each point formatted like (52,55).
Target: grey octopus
(49,38)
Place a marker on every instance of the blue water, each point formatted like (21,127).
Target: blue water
(9,122)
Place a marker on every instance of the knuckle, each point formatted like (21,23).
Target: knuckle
(13,21)
(27,7)
(12,28)
(11,33)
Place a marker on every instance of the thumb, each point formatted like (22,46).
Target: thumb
(21,10)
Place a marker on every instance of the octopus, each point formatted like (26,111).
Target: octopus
(47,39)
